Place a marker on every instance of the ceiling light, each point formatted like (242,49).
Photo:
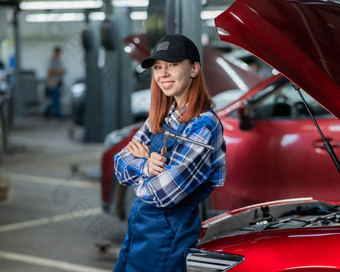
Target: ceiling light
(48,5)
(138,15)
(135,15)
(54,17)
(210,14)
(130,3)
(97,16)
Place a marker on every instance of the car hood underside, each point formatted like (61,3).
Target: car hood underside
(298,38)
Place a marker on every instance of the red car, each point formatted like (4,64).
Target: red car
(300,235)
(272,143)
(301,40)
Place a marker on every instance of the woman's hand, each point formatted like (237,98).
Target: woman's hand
(156,164)
(138,149)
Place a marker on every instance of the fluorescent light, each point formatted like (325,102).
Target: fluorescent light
(130,3)
(63,17)
(54,17)
(42,5)
(136,40)
(230,71)
(135,15)
(75,16)
(128,48)
(210,14)
(138,15)
(97,16)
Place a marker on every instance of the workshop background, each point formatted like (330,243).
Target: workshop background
(51,215)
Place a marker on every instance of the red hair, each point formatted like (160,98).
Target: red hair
(197,98)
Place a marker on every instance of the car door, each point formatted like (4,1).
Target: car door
(279,153)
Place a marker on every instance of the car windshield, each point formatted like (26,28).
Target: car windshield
(284,102)
(225,98)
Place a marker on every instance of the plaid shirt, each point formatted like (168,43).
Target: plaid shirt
(188,166)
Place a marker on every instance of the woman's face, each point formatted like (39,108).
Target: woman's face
(174,79)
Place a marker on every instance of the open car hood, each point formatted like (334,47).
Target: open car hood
(300,39)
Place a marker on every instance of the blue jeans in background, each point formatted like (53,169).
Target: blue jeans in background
(54,105)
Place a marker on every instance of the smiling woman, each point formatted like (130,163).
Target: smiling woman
(170,177)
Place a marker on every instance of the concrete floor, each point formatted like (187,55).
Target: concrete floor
(51,219)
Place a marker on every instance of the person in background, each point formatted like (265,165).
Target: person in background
(54,73)
(171,181)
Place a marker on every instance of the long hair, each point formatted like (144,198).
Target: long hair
(197,99)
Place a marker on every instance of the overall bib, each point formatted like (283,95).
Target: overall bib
(157,238)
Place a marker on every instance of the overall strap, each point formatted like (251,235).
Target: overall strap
(158,139)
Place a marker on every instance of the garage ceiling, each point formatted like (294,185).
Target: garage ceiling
(207,3)
(34,31)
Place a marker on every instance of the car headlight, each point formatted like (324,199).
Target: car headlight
(208,261)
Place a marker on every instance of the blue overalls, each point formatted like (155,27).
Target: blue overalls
(157,238)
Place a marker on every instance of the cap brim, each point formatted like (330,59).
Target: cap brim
(147,63)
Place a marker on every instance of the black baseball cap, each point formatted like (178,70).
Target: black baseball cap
(173,48)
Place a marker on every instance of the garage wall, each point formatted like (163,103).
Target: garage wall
(38,41)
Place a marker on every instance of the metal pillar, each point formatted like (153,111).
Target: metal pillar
(108,105)
(190,21)
(17,95)
(110,98)
(124,73)
(93,107)
(117,74)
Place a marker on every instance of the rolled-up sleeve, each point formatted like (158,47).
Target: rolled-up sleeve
(130,169)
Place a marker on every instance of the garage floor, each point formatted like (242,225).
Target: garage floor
(51,219)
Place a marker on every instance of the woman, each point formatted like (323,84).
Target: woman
(171,181)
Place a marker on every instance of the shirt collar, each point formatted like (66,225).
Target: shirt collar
(174,115)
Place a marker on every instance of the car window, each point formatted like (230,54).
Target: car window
(285,103)
(225,98)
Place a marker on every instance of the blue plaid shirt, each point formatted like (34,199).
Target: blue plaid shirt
(189,165)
